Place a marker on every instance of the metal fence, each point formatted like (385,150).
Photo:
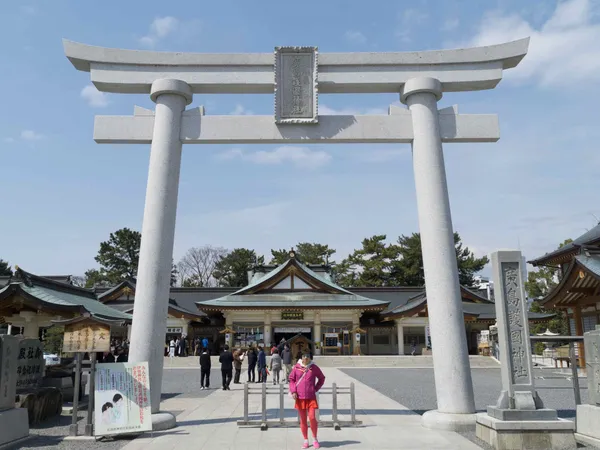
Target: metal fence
(282,390)
(571,361)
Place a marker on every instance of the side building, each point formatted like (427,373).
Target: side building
(577,295)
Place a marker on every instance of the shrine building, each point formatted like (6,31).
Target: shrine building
(298,302)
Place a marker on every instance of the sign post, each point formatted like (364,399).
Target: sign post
(85,334)
(122,392)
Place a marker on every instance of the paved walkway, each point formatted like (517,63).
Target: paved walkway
(210,423)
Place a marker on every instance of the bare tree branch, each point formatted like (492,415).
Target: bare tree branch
(198,265)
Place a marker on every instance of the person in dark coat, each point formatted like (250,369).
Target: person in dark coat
(252,358)
(238,356)
(262,366)
(226,360)
(205,365)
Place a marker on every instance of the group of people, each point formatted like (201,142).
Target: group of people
(305,378)
(119,352)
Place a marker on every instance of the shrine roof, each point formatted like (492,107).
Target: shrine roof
(60,295)
(316,291)
(474,305)
(566,252)
(290,300)
(579,283)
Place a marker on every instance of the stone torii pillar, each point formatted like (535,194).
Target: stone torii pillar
(453,384)
(158,235)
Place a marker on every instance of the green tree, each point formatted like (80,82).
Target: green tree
(95,278)
(306,252)
(408,268)
(53,339)
(369,266)
(232,269)
(538,285)
(119,256)
(5,269)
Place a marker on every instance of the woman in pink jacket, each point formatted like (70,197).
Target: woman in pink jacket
(305,381)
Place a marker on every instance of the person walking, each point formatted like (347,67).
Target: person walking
(172,349)
(205,344)
(306,380)
(262,366)
(237,365)
(226,360)
(275,366)
(205,365)
(286,357)
(252,358)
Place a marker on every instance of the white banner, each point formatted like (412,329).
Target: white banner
(427,337)
(122,399)
(292,330)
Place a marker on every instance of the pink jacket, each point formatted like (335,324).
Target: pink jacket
(308,387)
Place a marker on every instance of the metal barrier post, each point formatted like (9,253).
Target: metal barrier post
(281,409)
(263,425)
(246,392)
(352,404)
(574,373)
(334,412)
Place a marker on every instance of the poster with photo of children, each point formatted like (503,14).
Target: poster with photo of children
(122,399)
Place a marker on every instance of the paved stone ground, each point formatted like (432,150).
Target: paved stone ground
(177,386)
(412,389)
(415,389)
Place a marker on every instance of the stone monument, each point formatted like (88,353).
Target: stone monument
(588,416)
(14,422)
(30,365)
(297,75)
(519,419)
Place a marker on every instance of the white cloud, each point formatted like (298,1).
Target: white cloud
(408,20)
(450,24)
(563,51)
(239,110)
(302,157)
(94,97)
(160,28)
(30,135)
(355,36)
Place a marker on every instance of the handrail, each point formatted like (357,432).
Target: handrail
(281,390)
(571,340)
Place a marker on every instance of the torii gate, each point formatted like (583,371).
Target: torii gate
(296,75)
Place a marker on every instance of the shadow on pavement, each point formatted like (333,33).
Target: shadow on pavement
(333,444)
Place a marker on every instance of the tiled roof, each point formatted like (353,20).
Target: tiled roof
(60,294)
(337,297)
(589,237)
(293,300)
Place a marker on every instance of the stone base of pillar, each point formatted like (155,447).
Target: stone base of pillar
(163,421)
(588,431)
(526,435)
(14,428)
(437,420)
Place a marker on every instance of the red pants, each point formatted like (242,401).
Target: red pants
(303,422)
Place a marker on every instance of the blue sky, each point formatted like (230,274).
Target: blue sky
(64,194)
